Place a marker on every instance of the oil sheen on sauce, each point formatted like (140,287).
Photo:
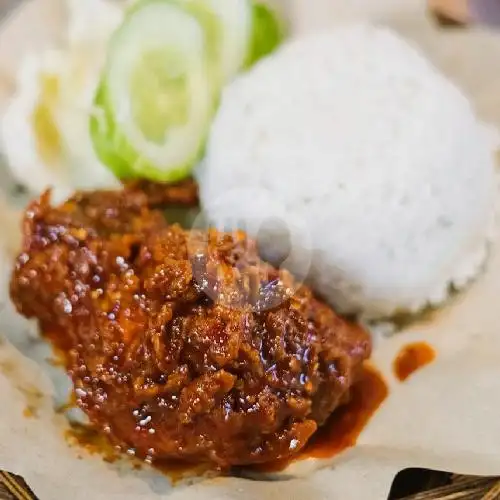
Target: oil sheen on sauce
(346,424)
(412,358)
(342,430)
(337,435)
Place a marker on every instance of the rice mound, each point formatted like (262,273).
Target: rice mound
(373,157)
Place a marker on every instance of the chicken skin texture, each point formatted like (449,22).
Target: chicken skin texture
(181,344)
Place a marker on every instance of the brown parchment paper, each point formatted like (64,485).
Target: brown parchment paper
(445,417)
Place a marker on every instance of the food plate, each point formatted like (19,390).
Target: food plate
(444,417)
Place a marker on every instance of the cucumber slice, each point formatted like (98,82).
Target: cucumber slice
(236,19)
(157,94)
(268,31)
(166,66)
(212,25)
(228,26)
(106,140)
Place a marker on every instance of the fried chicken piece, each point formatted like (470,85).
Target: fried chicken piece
(182,344)
(181,194)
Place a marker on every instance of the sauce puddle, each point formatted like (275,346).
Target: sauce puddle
(95,442)
(92,441)
(338,434)
(343,428)
(412,358)
(30,412)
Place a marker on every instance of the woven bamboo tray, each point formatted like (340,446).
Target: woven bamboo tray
(420,484)
(411,484)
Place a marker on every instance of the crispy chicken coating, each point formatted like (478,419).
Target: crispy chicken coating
(181,194)
(181,344)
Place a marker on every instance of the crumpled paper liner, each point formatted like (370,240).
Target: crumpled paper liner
(446,416)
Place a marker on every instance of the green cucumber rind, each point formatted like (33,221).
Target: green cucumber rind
(111,144)
(103,135)
(268,32)
(114,150)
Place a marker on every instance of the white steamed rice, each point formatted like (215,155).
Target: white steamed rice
(373,159)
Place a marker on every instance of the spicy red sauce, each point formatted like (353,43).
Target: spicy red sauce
(345,425)
(412,358)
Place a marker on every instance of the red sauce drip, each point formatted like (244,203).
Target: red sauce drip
(346,424)
(343,428)
(29,412)
(93,441)
(338,434)
(412,358)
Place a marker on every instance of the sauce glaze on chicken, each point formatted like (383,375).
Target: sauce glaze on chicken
(182,344)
